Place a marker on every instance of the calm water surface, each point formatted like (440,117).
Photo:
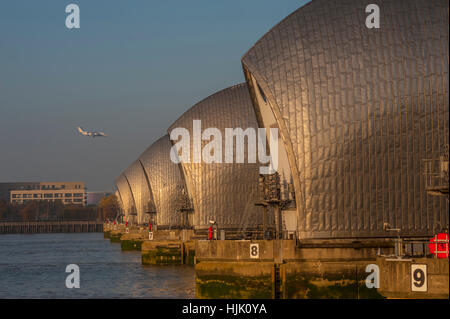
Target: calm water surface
(33,266)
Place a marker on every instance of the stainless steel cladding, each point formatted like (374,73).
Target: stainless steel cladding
(129,208)
(358,110)
(119,200)
(140,190)
(166,183)
(222,192)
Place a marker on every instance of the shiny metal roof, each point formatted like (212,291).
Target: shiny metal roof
(127,197)
(166,182)
(224,193)
(359,110)
(140,190)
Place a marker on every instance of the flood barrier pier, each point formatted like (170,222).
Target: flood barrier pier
(287,268)
(159,247)
(317,269)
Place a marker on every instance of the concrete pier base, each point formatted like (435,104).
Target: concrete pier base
(167,252)
(396,278)
(326,280)
(133,239)
(115,237)
(285,269)
(281,269)
(237,280)
(131,244)
(113,232)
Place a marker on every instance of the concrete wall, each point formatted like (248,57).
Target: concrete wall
(334,269)
(243,280)
(232,250)
(326,279)
(159,252)
(175,234)
(280,251)
(395,278)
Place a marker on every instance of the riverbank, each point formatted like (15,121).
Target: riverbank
(50,227)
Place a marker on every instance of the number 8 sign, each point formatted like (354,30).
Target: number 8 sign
(254,250)
(418,277)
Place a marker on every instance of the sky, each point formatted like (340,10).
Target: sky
(131,70)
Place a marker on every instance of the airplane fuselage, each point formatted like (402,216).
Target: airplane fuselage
(91,134)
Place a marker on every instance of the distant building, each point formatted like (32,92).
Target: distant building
(69,193)
(93,198)
(6,188)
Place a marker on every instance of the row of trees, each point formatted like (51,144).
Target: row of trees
(108,208)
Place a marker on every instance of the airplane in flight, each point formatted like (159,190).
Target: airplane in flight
(91,134)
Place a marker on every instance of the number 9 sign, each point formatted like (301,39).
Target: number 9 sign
(418,277)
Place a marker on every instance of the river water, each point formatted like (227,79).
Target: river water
(33,266)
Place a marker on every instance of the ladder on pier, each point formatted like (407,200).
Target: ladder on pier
(278,289)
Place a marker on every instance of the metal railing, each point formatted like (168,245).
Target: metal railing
(251,234)
(408,248)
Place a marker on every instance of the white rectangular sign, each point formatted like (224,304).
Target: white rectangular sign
(150,235)
(254,250)
(419,278)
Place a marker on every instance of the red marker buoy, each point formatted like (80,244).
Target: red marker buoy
(149,227)
(210,233)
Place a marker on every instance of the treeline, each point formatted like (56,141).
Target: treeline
(108,208)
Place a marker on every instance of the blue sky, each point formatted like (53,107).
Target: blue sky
(131,70)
